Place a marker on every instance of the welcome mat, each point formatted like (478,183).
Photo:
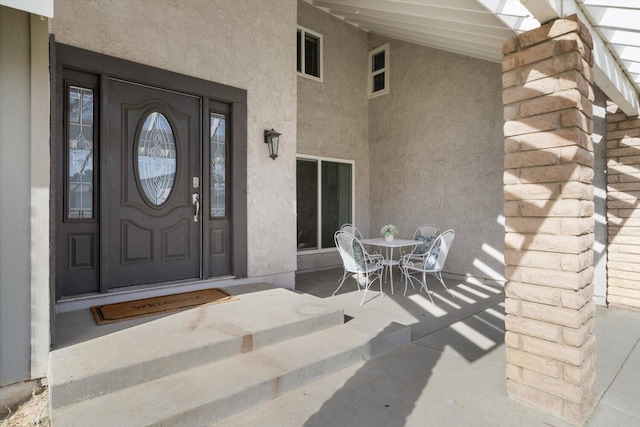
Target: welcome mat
(110,313)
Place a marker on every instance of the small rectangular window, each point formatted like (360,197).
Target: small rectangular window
(80,147)
(309,54)
(379,71)
(324,201)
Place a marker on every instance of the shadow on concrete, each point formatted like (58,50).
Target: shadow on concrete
(384,391)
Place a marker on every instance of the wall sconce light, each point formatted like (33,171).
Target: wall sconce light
(272,138)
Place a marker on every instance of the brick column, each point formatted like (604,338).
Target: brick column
(549,222)
(623,208)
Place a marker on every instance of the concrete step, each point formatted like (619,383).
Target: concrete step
(263,315)
(213,391)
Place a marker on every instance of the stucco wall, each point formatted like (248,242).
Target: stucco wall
(436,146)
(241,43)
(333,114)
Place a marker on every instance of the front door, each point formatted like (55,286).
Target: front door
(151,221)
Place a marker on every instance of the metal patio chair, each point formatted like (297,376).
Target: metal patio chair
(351,229)
(426,233)
(357,262)
(431,262)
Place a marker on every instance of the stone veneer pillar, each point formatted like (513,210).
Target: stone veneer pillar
(548,191)
(623,209)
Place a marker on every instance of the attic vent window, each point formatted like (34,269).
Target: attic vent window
(379,71)
(309,58)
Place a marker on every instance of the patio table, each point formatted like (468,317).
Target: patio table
(388,262)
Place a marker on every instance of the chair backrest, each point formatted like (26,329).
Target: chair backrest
(441,245)
(351,251)
(351,229)
(427,234)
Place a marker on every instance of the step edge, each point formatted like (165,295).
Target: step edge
(283,383)
(131,375)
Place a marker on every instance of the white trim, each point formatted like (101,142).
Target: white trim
(607,73)
(40,187)
(303,73)
(36,7)
(318,160)
(386,70)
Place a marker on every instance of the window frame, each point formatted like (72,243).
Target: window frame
(319,160)
(386,69)
(300,53)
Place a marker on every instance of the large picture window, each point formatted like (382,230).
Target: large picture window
(324,200)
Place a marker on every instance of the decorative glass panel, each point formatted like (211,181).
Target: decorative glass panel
(218,160)
(80,161)
(156,158)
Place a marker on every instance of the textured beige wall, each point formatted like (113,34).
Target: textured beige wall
(333,114)
(242,43)
(437,153)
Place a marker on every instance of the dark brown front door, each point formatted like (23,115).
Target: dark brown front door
(133,145)
(150,201)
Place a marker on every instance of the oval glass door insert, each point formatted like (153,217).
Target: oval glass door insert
(156,158)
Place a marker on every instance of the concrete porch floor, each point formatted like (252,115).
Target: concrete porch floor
(452,372)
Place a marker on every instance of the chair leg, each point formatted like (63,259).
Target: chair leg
(409,279)
(344,276)
(424,285)
(439,277)
(366,287)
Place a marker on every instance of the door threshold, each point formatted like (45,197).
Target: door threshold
(130,293)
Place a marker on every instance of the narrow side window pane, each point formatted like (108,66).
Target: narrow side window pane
(378,82)
(218,164)
(299,52)
(80,183)
(307,203)
(378,61)
(312,55)
(336,199)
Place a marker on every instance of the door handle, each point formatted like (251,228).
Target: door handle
(195,200)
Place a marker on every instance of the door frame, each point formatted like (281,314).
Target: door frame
(64,57)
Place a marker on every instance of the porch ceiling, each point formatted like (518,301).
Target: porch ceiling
(477,28)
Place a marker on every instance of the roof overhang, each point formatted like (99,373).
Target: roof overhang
(477,28)
(37,7)
(615,28)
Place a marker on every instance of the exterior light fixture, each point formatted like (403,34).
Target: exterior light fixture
(272,138)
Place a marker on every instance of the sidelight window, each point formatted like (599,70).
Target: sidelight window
(218,159)
(80,146)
